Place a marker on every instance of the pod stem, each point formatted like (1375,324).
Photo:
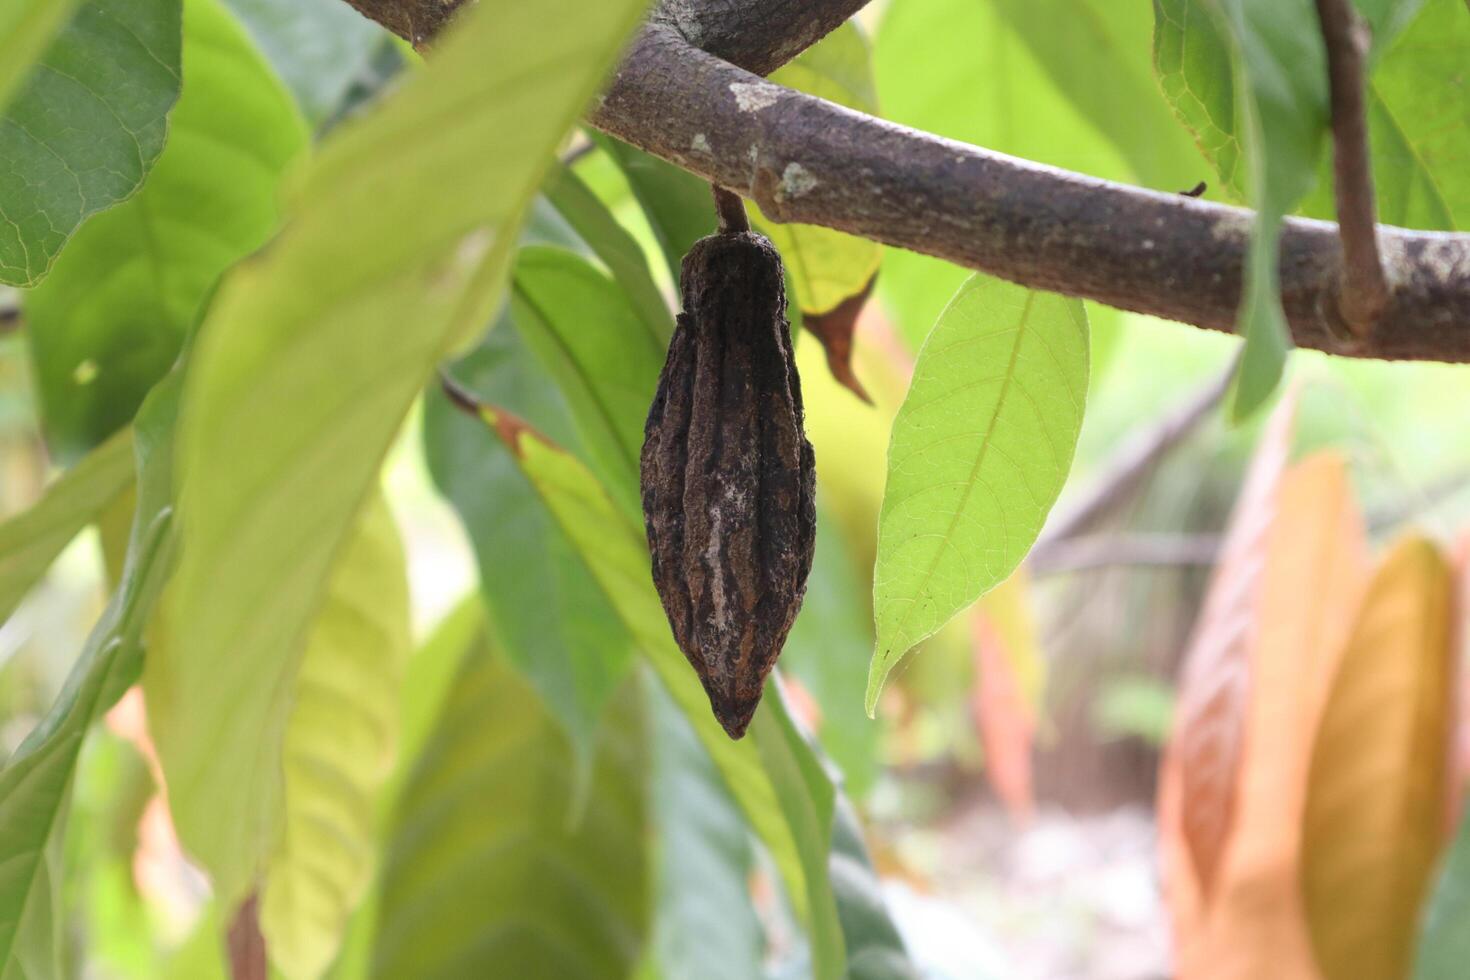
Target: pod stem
(731,209)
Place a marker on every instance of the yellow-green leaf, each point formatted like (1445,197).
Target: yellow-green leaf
(32,539)
(1374,819)
(395,246)
(26,27)
(338,751)
(979,453)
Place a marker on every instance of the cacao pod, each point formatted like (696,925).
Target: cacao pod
(727,473)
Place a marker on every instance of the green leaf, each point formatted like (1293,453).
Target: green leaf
(617,249)
(35,783)
(319,47)
(826,266)
(778,782)
(30,541)
(549,616)
(979,452)
(85,128)
(705,925)
(958,68)
(489,873)
(340,739)
(1098,54)
(607,374)
(1444,943)
(678,204)
(27,28)
(313,352)
(109,320)
(1253,85)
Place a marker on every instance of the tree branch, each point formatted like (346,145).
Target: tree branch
(1364,291)
(807,160)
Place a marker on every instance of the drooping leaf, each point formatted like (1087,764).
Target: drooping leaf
(617,249)
(979,453)
(836,330)
(705,925)
(27,28)
(1005,703)
(549,616)
(607,374)
(828,267)
(773,776)
(1254,923)
(1374,816)
(1202,763)
(85,127)
(31,540)
(490,872)
(319,47)
(1249,77)
(109,320)
(339,745)
(36,781)
(313,352)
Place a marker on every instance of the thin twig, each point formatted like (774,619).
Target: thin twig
(1364,288)
(731,210)
(1131,465)
(9,318)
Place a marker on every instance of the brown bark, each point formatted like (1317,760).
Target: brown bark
(807,160)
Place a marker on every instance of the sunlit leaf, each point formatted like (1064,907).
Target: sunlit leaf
(319,47)
(1374,816)
(36,781)
(109,320)
(491,871)
(31,540)
(85,127)
(1203,759)
(311,355)
(979,453)
(338,750)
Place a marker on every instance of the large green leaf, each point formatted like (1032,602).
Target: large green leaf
(491,870)
(705,924)
(340,739)
(27,27)
(311,356)
(958,68)
(979,452)
(607,374)
(319,47)
(1277,114)
(549,617)
(35,783)
(776,777)
(109,320)
(31,540)
(826,266)
(85,127)
(1097,53)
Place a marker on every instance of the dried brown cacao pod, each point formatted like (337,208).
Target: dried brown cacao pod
(727,473)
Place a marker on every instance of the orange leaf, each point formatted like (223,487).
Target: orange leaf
(1205,750)
(1316,568)
(1005,700)
(1375,800)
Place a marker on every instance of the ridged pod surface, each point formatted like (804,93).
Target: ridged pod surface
(728,480)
